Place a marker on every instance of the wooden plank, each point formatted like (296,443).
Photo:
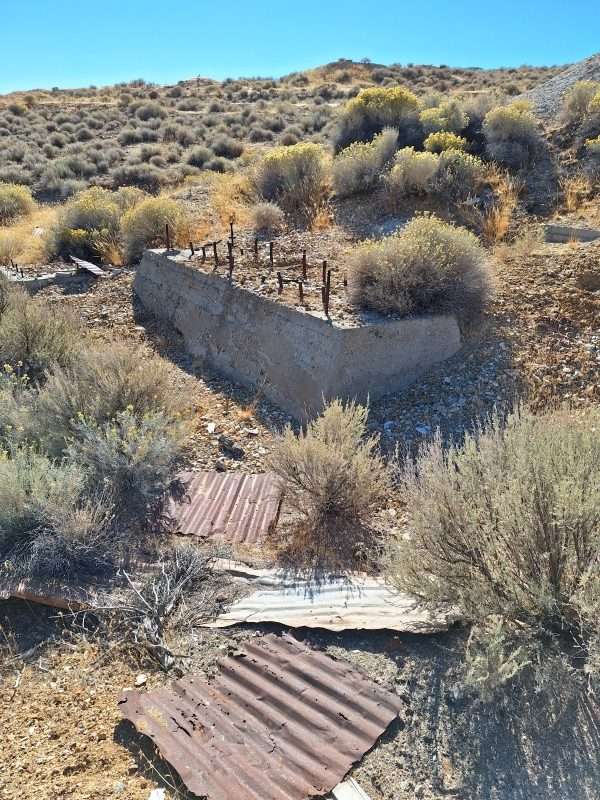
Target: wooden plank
(89,267)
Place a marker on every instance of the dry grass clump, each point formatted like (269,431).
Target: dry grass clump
(444,140)
(34,335)
(359,167)
(592,151)
(577,100)
(15,201)
(374,109)
(428,267)
(576,189)
(11,244)
(144,225)
(506,528)
(511,134)
(293,177)
(333,479)
(267,219)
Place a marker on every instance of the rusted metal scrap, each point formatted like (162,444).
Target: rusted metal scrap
(280,721)
(226,507)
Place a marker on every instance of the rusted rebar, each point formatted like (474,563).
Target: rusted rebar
(167,236)
(304,265)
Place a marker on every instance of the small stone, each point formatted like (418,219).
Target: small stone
(141,679)
(118,787)
(157,794)
(211,427)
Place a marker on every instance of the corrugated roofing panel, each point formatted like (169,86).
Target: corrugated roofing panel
(361,603)
(227,506)
(280,721)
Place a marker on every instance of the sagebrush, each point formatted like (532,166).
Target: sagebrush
(333,479)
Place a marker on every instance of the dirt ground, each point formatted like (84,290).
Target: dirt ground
(63,737)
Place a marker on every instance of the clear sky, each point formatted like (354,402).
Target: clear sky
(46,43)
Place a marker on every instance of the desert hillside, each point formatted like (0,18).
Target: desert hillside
(300,436)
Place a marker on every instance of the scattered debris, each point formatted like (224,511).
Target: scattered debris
(279,721)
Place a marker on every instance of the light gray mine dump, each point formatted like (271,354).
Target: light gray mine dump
(297,357)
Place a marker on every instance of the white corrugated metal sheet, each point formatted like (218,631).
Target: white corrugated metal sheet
(361,603)
(349,790)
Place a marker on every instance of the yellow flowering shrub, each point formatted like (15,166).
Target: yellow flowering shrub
(444,140)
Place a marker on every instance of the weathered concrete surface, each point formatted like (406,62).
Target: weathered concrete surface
(297,357)
(570,233)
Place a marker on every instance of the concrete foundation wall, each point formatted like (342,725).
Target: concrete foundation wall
(297,356)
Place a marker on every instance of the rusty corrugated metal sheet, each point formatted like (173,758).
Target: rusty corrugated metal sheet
(228,507)
(357,602)
(280,721)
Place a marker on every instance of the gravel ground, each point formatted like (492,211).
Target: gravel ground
(62,731)
(547,97)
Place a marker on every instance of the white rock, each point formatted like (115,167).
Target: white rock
(141,679)
(211,427)
(157,794)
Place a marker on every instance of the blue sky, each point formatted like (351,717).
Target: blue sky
(69,44)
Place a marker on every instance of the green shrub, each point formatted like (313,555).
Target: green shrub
(97,386)
(428,267)
(358,167)
(267,219)
(511,134)
(15,407)
(374,109)
(443,140)
(198,156)
(333,479)
(412,173)
(458,174)
(144,225)
(37,335)
(506,528)
(150,111)
(15,201)
(448,116)
(452,174)
(226,147)
(293,177)
(47,527)
(133,458)
(577,100)
(90,217)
